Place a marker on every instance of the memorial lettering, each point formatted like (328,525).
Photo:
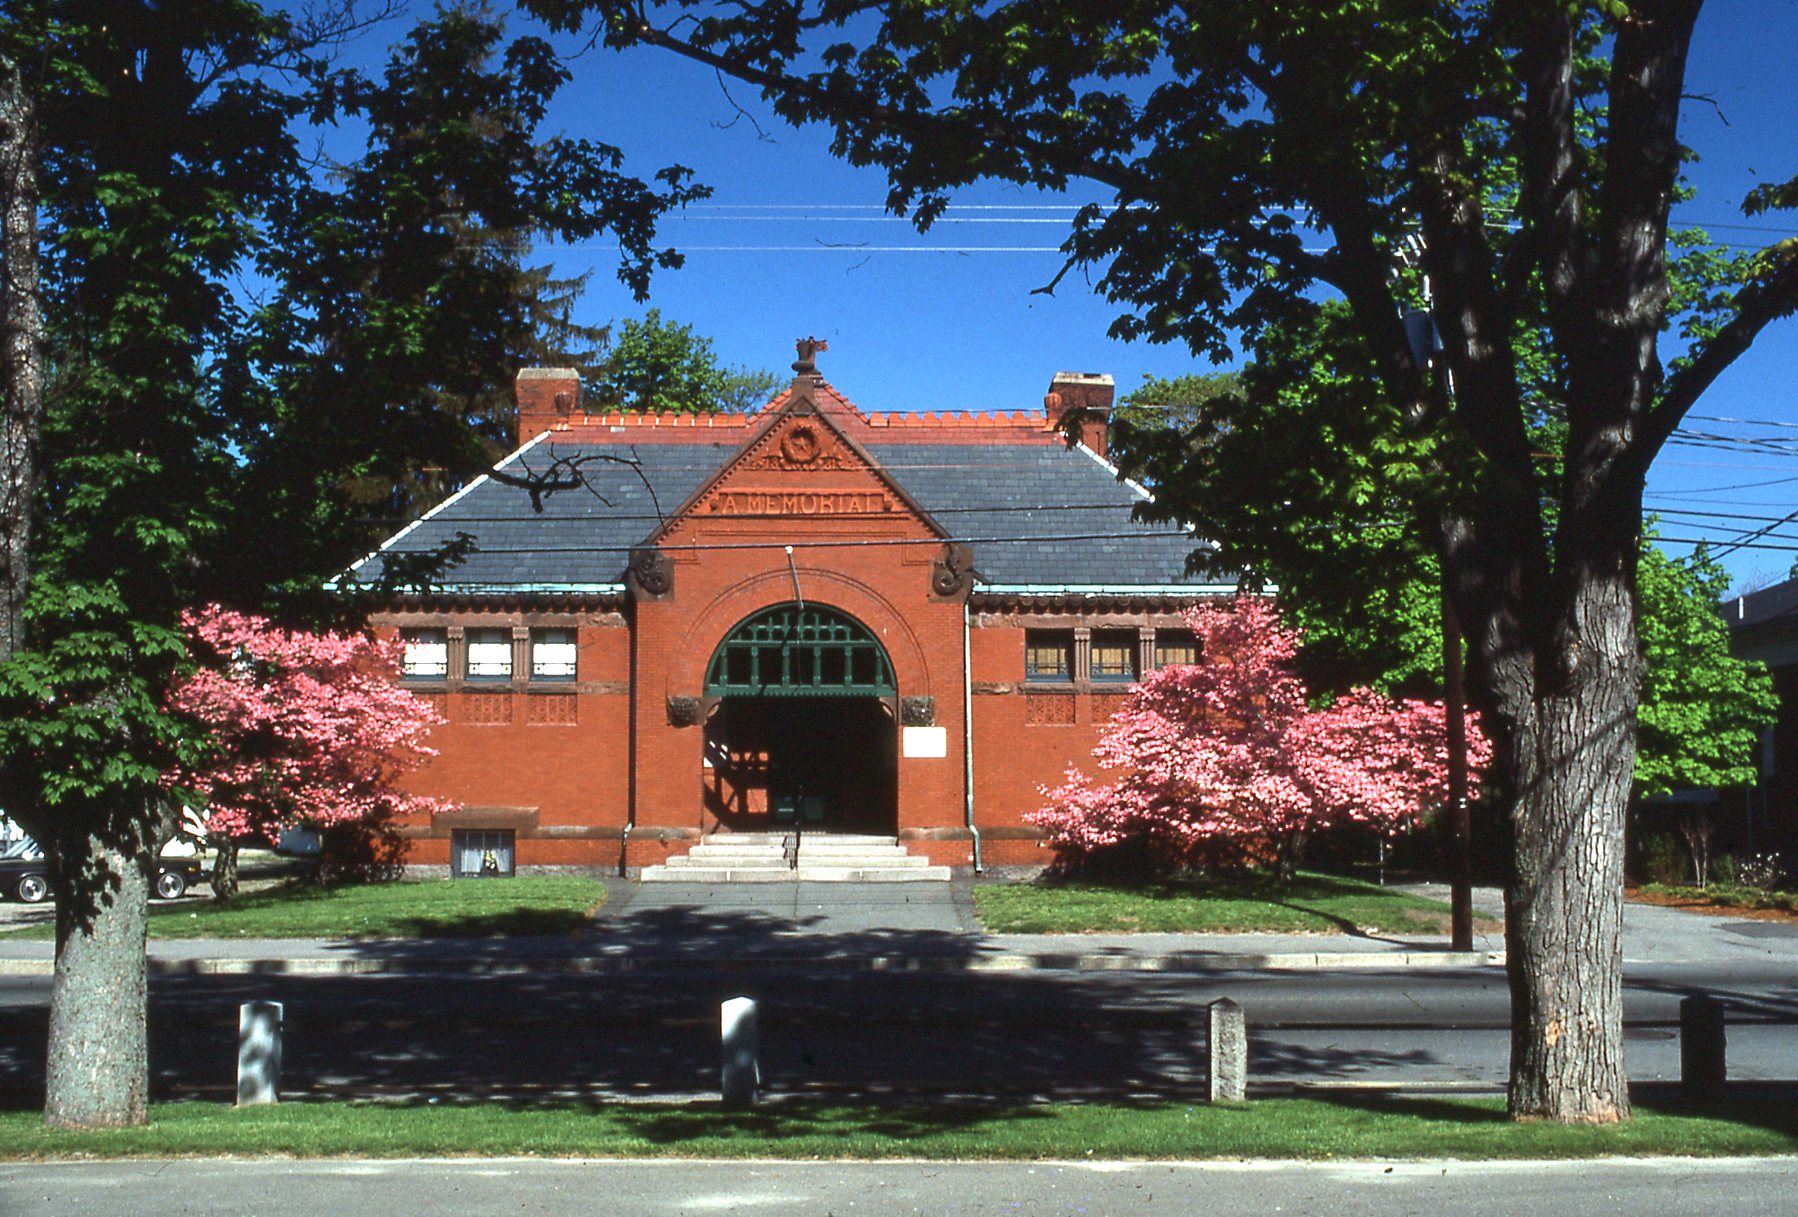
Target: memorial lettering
(807,503)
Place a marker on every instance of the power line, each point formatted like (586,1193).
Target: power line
(1722,489)
(1070,210)
(1745,422)
(1719,515)
(650,518)
(1151,530)
(844,542)
(1756,534)
(869,543)
(755,219)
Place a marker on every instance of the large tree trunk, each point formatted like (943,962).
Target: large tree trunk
(98,1068)
(98,1072)
(1568,760)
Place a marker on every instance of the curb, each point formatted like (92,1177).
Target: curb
(1178,962)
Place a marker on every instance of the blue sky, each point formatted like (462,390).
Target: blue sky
(794,243)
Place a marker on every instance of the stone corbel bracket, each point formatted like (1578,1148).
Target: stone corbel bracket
(917,711)
(952,574)
(650,575)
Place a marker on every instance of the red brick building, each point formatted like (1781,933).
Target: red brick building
(672,626)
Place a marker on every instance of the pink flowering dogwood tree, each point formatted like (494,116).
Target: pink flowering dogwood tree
(302,729)
(1229,752)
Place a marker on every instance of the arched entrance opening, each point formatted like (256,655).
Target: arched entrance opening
(801,726)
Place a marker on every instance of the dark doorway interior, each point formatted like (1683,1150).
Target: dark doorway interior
(826,763)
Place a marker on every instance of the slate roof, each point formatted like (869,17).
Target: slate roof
(1770,607)
(1039,515)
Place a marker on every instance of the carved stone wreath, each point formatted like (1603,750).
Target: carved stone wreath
(802,444)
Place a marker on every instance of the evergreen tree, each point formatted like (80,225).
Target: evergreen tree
(196,449)
(379,373)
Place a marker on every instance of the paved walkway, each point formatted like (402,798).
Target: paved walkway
(895,927)
(1640,1187)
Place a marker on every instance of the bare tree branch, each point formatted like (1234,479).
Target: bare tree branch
(1772,294)
(723,87)
(569,473)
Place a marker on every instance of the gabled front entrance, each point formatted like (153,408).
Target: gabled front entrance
(801,726)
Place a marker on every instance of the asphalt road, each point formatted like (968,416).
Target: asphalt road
(1036,1036)
(1635,1188)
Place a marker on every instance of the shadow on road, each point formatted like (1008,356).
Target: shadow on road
(548,1035)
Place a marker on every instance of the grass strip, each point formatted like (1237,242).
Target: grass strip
(1726,897)
(434,908)
(1227,904)
(1296,1128)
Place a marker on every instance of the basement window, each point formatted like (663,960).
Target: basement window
(490,654)
(482,853)
(553,654)
(424,654)
(1048,655)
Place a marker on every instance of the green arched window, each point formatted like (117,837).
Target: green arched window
(790,651)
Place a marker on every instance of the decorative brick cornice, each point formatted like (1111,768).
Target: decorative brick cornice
(1087,602)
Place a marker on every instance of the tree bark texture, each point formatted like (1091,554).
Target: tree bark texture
(97,1074)
(1566,742)
(21,348)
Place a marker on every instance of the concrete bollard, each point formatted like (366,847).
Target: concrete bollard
(1703,1066)
(1228,1075)
(742,1051)
(258,1052)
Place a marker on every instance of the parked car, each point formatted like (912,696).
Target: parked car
(26,875)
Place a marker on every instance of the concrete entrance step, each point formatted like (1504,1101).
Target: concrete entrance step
(805,874)
(823,858)
(812,836)
(860,857)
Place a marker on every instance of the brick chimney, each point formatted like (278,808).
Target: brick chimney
(547,397)
(1079,403)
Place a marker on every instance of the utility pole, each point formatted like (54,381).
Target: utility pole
(1460,821)
(1420,331)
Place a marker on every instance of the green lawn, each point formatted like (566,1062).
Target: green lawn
(1231,904)
(435,908)
(1367,1127)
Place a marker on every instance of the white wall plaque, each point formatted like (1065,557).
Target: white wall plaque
(925,741)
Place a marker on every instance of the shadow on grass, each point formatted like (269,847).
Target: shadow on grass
(1765,1105)
(1441,1108)
(512,923)
(1769,1105)
(794,1121)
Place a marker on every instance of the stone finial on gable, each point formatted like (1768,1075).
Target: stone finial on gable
(805,371)
(807,363)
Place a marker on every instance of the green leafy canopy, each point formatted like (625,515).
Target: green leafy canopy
(655,365)
(252,351)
